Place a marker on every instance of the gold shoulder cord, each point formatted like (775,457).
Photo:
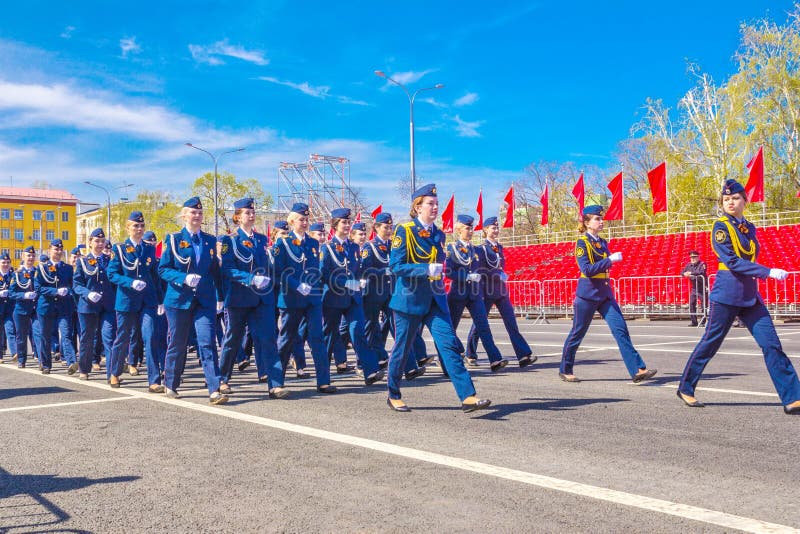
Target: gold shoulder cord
(416,253)
(747,254)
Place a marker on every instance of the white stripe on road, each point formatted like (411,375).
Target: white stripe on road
(60,404)
(685,511)
(717,390)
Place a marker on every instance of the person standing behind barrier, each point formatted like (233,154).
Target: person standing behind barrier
(735,292)
(695,271)
(419,298)
(491,266)
(23,293)
(594,294)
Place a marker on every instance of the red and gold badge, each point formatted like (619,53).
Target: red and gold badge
(296,242)
(382,248)
(182,244)
(424,233)
(92,261)
(339,248)
(247,243)
(52,268)
(495,248)
(129,248)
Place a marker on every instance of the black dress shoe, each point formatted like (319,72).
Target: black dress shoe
(326,389)
(792,409)
(497,366)
(525,361)
(695,404)
(402,408)
(45,371)
(301,373)
(567,378)
(647,375)
(480,405)
(278,393)
(263,379)
(374,377)
(244,365)
(693,324)
(425,361)
(383,364)
(343,370)
(414,373)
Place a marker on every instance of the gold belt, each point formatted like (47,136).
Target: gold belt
(601,275)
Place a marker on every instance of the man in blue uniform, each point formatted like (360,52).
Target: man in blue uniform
(55,306)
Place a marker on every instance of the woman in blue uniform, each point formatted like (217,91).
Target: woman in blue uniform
(594,294)
(297,268)
(378,288)
(7,306)
(96,303)
(53,283)
(419,298)
(491,265)
(735,293)
(342,299)
(23,293)
(461,267)
(247,282)
(191,269)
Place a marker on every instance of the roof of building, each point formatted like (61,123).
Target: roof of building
(38,194)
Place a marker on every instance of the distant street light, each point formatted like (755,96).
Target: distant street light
(411,96)
(215,159)
(108,206)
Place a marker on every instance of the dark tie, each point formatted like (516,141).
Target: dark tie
(195,239)
(139,249)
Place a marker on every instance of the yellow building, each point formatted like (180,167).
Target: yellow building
(87,221)
(35,217)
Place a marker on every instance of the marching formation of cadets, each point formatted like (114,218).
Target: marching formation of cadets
(122,306)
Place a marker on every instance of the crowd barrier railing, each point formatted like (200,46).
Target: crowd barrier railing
(661,296)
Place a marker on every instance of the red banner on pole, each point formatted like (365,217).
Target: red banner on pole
(545,199)
(579,193)
(447,216)
(616,209)
(479,209)
(658,187)
(755,184)
(374,214)
(509,199)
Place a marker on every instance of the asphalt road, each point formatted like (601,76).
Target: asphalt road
(604,455)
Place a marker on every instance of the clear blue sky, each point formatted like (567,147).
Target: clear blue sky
(111,91)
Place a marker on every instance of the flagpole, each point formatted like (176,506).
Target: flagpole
(513,226)
(666,191)
(622,188)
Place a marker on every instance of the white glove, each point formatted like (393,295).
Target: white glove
(304,289)
(474,277)
(504,277)
(260,281)
(138,285)
(778,274)
(62,291)
(435,269)
(30,295)
(353,285)
(362,283)
(3,293)
(160,310)
(615,257)
(389,272)
(94,296)
(220,307)
(192,280)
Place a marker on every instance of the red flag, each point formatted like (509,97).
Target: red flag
(358,217)
(616,209)
(658,187)
(331,233)
(798,194)
(159,249)
(509,199)
(545,200)
(269,235)
(479,209)
(374,214)
(755,184)
(447,216)
(579,193)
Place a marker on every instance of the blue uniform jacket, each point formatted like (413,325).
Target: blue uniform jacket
(49,277)
(462,260)
(339,263)
(413,249)
(21,283)
(125,267)
(592,257)
(179,259)
(736,246)
(243,257)
(375,270)
(6,304)
(492,265)
(91,274)
(297,262)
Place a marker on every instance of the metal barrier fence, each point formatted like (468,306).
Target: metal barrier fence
(782,298)
(660,296)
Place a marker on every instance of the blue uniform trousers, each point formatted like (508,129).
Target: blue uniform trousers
(259,320)
(152,328)
(51,323)
(202,320)
(609,309)
(757,320)
(354,318)
(288,334)
(299,348)
(438,322)
(479,321)
(506,309)
(23,328)
(10,332)
(136,348)
(92,326)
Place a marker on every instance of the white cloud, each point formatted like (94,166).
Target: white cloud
(321,91)
(410,76)
(67,33)
(466,100)
(467,128)
(212,54)
(128,45)
(433,102)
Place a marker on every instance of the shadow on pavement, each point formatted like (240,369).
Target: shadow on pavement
(22,392)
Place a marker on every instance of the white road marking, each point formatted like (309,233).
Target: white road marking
(718,390)
(60,404)
(685,511)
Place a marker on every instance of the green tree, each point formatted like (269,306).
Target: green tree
(230,190)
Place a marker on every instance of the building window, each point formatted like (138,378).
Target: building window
(5,251)
(50,235)
(5,233)
(18,235)
(37,215)
(50,215)
(65,235)
(37,235)
(17,254)
(64,216)
(17,215)
(5,214)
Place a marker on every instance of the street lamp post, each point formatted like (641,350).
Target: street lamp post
(411,96)
(215,159)
(108,206)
